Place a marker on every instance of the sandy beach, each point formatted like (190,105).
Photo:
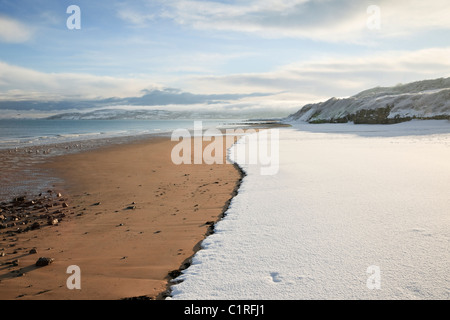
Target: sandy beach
(127,217)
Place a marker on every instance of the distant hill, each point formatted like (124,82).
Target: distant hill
(428,99)
(122,114)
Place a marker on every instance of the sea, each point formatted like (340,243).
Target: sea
(18,133)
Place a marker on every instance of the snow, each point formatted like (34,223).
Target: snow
(346,198)
(428,98)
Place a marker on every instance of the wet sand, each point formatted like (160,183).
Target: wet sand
(131,220)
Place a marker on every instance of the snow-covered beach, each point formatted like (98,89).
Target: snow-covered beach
(347,200)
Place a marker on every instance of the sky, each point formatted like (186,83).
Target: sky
(258,55)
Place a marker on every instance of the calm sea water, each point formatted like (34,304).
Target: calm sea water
(25,133)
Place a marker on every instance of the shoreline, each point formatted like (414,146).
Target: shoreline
(90,215)
(21,174)
(211,229)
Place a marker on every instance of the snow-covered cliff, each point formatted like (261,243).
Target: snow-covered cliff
(428,99)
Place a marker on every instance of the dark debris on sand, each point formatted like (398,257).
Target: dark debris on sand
(23,214)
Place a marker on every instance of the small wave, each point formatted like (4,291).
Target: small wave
(8,141)
(76,135)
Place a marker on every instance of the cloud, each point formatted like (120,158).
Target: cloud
(134,17)
(25,89)
(18,83)
(335,75)
(166,98)
(138,13)
(407,17)
(13,31)
(325,20)
(287,87)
